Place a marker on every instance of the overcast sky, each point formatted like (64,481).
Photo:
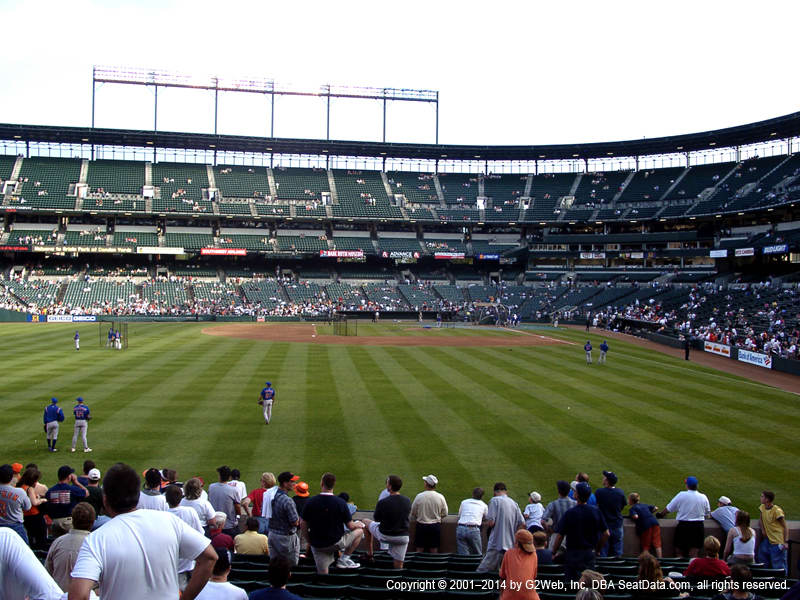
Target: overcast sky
(507,72)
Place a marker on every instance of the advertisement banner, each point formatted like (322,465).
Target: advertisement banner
(15,248)
(745,252)
(84,318)
(777,249)
(447,255)
(397,254)
(341,253)
(158,250)
(37,318)
(755,358)
(715,348)
(59,318)
(223,252)
(488,257)
(592,255)
(718,254)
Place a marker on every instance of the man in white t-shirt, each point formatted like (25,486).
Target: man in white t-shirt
(138,549)
(236,482)
(151,497)
(219,588)
(471,515)
(188,515)
(22,576)
(692,508)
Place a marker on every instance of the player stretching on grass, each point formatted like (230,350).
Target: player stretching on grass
(267,396)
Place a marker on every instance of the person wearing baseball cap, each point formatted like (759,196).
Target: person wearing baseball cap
(284,521)
(692,508)
(533,513)
(520,565)
(725,513)
(62,498)
(428,509)
(611,500)
(95,497)
(265,399)
(586,533)
(53,415)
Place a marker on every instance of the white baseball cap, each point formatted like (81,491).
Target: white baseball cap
(431,480)
(93,475)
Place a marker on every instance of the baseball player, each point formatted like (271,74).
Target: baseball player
(603,350)
(110,341)
(82,417)
(53,415)
(588,348)
(267,396)
(118,339)
(77,341)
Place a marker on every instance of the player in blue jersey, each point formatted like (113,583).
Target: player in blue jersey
(265,400)
(77,341)
(53,415)
(82,417)
(588,348)
(603,350)
(110,341)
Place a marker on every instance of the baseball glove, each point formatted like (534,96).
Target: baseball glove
(261,402)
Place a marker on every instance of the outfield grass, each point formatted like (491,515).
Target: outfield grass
(472,416)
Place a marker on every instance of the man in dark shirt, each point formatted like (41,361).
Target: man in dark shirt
(62,498)
(611,500)
(586,532)
(392,515)
(330,528)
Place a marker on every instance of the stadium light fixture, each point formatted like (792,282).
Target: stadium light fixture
(741,214)
(662,220)
(712,143)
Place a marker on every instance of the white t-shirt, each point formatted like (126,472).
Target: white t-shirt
(690,505)
(472,512)
(188,516)
(221,591)
(21,574)
(241,488)
(266,503)
(154,502)
(533,514)
(202,507)
(138,551)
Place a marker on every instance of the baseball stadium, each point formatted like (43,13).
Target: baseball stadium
(417,308)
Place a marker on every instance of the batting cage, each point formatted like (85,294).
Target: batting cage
(113,335)
(343,326)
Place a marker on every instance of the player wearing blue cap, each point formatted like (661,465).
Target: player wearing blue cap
(77,341)
(265,400)
(603,350)
(588,348)
(110,341)
(82,416)
(53,415)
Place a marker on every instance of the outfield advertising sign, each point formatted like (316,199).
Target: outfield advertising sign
(718,253)
(776,249)
(84,318)
(59,318)
(715,348)
(745,252)
(755,358)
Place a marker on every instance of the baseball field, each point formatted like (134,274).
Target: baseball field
(471,405)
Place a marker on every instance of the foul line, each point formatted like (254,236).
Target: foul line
(542,337)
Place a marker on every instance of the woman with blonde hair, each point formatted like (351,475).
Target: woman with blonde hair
(740,547)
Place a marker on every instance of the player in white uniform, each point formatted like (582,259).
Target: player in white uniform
(77,341)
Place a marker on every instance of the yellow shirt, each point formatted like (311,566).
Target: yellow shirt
(250,542)
(772,525)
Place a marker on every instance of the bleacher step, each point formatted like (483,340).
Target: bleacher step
(575,184)
(273,188)
(17,168)
(439,193)
(148,174)
(84,176)
(332,186)
(678,179)
(528,186)
(622,188)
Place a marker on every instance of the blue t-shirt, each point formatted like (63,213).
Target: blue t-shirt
(62,498)
(273,594)
(645,519)
(611,501)
(582,525)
